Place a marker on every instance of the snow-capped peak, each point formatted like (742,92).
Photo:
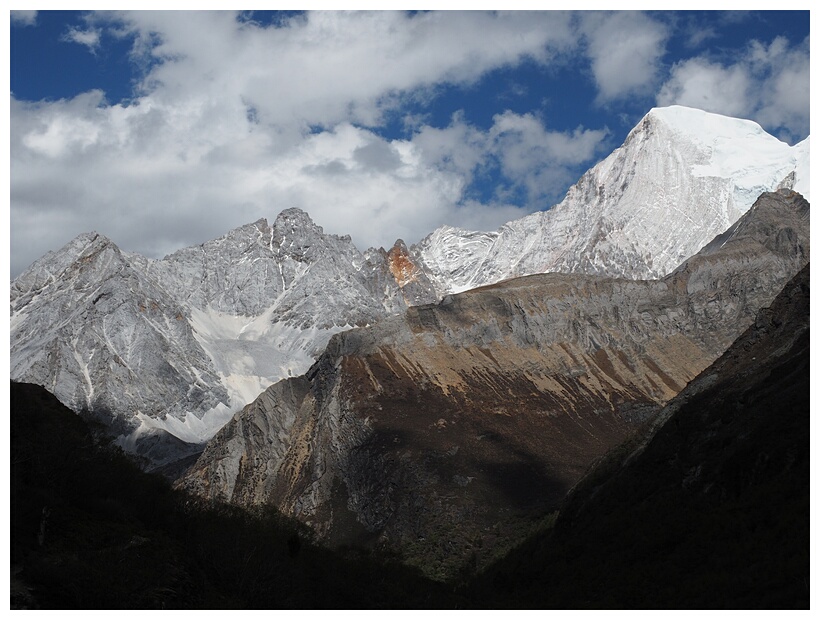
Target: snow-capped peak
(681,177)
(704,127)
(735,148)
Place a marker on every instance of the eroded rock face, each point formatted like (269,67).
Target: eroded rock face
(409,273)
(494,402)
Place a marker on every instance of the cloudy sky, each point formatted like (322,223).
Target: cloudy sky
(162,130)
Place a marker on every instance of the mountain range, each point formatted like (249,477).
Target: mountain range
(632,360)
(164,352)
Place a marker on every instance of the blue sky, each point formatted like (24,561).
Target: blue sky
(162,130)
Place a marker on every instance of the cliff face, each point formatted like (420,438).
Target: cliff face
(494,402)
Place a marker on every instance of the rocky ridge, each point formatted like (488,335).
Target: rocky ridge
(172,347)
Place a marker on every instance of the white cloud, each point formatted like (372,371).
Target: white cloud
(539,159)
(527,154)
(224,130)
(90,37)
(64,127)
(767,83)
(459,148)
(326,68)
(699,83)
(23,18)
(625,50)
(784,97)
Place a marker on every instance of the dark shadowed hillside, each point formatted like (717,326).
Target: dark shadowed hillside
(710,511)
(90,530)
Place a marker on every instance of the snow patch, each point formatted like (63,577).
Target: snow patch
(251,353)
(191,429)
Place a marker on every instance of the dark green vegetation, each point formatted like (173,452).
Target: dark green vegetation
(90,530)
(710,511)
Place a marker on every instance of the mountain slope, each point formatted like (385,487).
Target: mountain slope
(492,403)
(89,530)
(709,510)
